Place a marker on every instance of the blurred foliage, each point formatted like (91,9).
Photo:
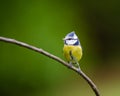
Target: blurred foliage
(44,23)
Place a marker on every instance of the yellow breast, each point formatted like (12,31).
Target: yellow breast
(75,50)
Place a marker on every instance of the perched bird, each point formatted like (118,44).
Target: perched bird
(72,49)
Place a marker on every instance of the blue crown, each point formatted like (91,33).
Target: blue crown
(71,34)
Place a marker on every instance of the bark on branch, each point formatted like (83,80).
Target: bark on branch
(41,51)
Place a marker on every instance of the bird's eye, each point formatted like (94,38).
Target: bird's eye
(69,39)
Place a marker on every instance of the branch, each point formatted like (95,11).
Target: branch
(41,51)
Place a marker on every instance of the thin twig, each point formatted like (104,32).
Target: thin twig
(39,50)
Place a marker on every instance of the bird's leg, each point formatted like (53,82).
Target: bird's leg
(78,66)
(70,63)
(73,59)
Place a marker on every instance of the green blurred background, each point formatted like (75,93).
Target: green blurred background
(44,23)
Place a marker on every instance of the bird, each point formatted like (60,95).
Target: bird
(72,49)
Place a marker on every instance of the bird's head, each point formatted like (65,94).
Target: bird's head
(71,39)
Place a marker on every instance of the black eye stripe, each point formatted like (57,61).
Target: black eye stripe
(71,39)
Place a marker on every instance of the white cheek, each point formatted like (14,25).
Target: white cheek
(71,42)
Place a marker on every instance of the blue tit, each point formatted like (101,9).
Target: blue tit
(72,49)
